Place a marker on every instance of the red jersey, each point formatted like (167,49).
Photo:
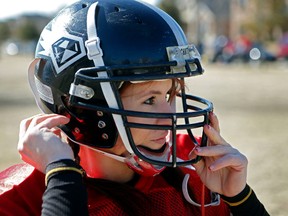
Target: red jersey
(22,187)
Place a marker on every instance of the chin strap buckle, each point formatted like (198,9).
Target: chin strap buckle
(215,197)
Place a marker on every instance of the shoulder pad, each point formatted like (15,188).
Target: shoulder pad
(14,175)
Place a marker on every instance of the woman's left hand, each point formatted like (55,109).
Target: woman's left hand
(223,169)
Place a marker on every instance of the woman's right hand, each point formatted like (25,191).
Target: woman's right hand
(40,140)
(223,169)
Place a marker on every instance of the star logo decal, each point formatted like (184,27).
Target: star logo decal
(63,51)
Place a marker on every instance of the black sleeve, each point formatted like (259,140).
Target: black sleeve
(65,193)
(245,203)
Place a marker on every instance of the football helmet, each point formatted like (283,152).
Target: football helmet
(89,50)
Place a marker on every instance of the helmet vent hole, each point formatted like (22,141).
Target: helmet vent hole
(99,113)
(101,124)
(138,20)
(117,9)
(84,5)
(105,136)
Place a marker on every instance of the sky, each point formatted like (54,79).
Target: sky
(13,8)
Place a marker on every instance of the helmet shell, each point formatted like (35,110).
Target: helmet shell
(130,33)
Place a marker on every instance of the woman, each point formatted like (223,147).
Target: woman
(110,74)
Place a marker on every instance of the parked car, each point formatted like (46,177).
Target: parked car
(283,47)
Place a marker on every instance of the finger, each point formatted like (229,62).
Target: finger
(213,135)
(56,131)
(214,122)
(223,156)
(41,121)
(236,161)
(36,120)
(24,125)
(51,121)
(215,151)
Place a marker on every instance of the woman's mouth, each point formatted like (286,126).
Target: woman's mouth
(160,140)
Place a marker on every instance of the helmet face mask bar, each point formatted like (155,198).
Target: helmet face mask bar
(88,78)
(90,49)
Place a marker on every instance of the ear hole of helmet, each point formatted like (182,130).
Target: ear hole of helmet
(88,127)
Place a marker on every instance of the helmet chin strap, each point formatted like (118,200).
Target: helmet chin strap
(143,168)
(134,162)
(215,198)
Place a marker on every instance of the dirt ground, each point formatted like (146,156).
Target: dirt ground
(250,100)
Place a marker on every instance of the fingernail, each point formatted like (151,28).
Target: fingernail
(211,167)
(208,127)
(198,149)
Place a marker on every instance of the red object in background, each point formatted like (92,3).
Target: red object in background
(283,47)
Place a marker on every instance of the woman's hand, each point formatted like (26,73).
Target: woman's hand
(40,141)
(223,169)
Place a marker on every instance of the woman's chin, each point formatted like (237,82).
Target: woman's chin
(155,151)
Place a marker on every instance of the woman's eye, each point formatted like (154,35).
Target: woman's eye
(168,97)
(150,101)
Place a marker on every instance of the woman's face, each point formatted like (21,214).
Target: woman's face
(147,97)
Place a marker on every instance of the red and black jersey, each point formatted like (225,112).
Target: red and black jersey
(22,189)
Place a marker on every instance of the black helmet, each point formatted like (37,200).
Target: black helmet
(90,49)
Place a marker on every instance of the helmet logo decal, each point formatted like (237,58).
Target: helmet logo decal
(63,51)
(180,54)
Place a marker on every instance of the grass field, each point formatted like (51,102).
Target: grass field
(251,102)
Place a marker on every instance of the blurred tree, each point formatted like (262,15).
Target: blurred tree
(269,16)
(170,6)
(4,31)
(27,31)
(262,18)
(279,14)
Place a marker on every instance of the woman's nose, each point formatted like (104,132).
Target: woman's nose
(166,107)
